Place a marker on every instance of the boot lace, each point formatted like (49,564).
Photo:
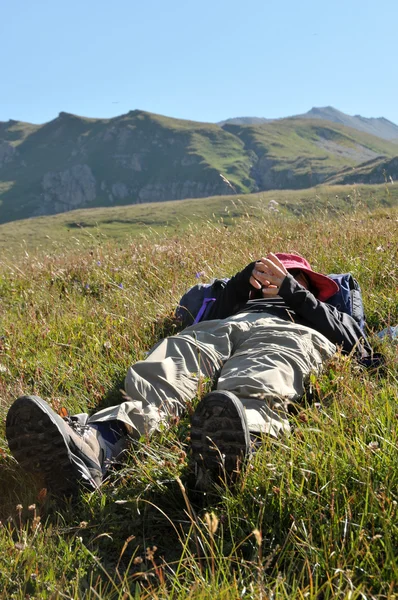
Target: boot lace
(80,428)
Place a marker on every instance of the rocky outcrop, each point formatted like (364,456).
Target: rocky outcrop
(120,190)
(354,152)
(129,161)
(270,176)
(67,190)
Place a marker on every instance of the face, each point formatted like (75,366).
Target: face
(302,279)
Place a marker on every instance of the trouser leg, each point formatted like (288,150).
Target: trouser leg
(159,386)
(269,367)
(265,361)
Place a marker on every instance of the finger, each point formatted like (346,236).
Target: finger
(272,278)
(269,291)
(260,265)
(255,283)
(268,266)
(260,277)
(276,262)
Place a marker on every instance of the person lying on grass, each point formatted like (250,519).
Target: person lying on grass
(267,332)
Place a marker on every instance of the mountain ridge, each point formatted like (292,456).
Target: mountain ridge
(75,162)
(379,126)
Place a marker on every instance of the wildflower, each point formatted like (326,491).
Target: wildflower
(99,263)
(211,522)
(199,274)
(20,546)
(120,286)
(373,446)
(150,553)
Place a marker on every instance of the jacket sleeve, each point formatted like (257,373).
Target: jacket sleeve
(339,328)
(231,297)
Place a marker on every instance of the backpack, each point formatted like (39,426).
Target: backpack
(195,304)
(349,298)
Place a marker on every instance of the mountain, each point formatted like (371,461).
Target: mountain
(300,153)
(376,171)
(245,121)
(379,127)
(77,162)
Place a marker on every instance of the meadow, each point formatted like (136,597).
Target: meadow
(74,230)
(311,516)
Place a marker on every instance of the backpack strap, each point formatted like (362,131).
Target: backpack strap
(210,295)
(203,309)
(195,304)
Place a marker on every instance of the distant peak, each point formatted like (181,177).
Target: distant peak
(322,109)
(65,115)
(136,112)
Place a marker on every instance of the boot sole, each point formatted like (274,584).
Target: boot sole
(219,433)
(39,442)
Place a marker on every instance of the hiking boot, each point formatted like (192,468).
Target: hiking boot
(64,451)
(220,437)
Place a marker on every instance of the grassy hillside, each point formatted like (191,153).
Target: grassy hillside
(371,172)
(82,228)
(16,132)
(299,153)
(313,516)
(74,162)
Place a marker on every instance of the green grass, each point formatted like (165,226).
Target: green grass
(15,132)
(83,228)
(299,153)
(313,516)
(292,139)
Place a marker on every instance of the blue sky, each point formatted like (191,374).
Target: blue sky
(204,60)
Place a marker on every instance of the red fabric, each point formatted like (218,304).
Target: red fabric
(325,286)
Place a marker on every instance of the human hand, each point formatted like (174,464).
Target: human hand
(267,275)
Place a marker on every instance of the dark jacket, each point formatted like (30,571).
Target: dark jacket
(295,304)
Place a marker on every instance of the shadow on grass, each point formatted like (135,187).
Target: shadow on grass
(148,520)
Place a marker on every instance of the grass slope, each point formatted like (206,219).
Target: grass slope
(372,172)
(300,153)
(313,516)
(80,228)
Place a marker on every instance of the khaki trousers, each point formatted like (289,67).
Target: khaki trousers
(262,359)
